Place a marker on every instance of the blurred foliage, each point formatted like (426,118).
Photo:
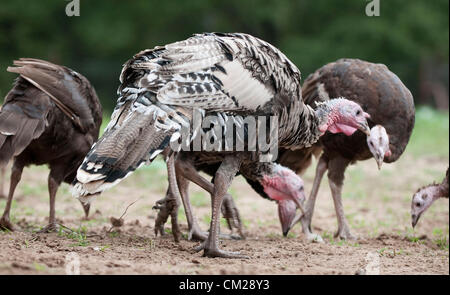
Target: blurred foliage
(310,33)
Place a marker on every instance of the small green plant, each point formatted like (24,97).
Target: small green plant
(441,239)
(38,267)
(113,234)
(328,236)
(103,248)
(291,235)
(79,235)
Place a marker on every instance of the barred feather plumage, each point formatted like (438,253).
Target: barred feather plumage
(223,74)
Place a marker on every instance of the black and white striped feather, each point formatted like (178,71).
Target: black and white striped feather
(227,74)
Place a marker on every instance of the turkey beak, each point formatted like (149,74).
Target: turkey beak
(286,213)
(364,127)
(414,219)
(379,158)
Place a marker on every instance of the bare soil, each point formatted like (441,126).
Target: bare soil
(377,205)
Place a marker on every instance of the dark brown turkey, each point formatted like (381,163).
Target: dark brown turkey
(51,116)
(380,93)
(227,76)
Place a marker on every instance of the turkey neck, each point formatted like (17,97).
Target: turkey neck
(299,126)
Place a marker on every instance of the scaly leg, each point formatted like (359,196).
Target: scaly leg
(336,170)
(16,174)
(307,217)
(174,196)
(222,181)
(2,182)
(195,233)
(231,213)
(54,180)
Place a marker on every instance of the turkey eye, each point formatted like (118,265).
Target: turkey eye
(370,143)
(417,204)
(358,112)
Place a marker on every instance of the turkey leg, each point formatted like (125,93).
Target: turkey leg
(222,181)
(2,182)
(307,217)
(54,181)
(173,197)
(336,170)
(229,210)
(16,174)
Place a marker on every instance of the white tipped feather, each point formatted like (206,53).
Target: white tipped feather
(85,177)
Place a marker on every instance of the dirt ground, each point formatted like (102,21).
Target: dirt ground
(377,205)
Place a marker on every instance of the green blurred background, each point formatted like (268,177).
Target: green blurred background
(410,37)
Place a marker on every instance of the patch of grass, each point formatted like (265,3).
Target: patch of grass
(113,234)
(245,222)
(430,134)
(33,189)
(206,219)
(199,199)
(103,248)
(223,222)
(181,214)
(38,266)
(79,236)
(328,236)
(29,211)
(272,236)
(440,239)
(291,235)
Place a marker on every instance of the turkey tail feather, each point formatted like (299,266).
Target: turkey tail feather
(17,130)
(132,138)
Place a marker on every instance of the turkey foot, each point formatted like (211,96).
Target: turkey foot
(167,207)
(50,228)
(163,215)
(306,225)
(196,234)
(5,224)
(313,238)
(216,252)
(345,234)
(231,215)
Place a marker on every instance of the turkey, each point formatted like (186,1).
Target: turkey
(52,116)
(378,143)
(225,76)
(390,104)
(426,196)
(277,183)
(168,206)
